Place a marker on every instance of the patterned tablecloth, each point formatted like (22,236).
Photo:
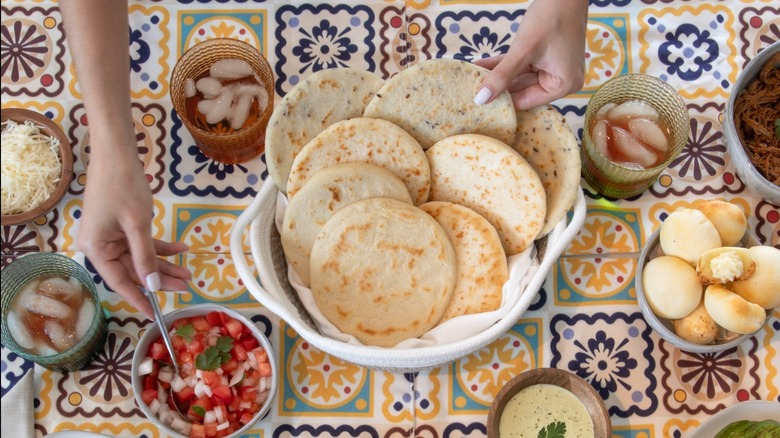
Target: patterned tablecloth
(585,319)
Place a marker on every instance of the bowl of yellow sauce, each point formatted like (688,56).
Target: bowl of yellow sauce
(548,402)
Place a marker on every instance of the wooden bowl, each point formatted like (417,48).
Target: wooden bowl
(594,405)
(50,128)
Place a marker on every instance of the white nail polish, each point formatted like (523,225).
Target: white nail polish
(482,96)
(153,282)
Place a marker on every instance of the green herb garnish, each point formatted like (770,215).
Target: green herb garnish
(198,410)
(777,128)
(186,332)
(215,356)
(556,429)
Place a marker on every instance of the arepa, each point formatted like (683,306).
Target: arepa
(383,271)
(482,264)
(327,192)
(323,98)
(492,179)
(365,140)
(546,142)
(435,99)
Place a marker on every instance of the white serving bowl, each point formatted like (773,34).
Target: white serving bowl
(152,333)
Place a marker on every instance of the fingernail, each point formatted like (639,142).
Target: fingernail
(153,282)
(483,95)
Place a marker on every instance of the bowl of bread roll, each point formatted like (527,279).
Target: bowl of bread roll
(407,226)
(704,282)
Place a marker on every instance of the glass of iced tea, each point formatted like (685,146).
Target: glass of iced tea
(635,125)
(51,312)
(223,91)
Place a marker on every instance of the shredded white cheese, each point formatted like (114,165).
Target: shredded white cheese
(31,166)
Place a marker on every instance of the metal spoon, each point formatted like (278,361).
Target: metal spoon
(159,319)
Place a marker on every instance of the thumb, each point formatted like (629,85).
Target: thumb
(500,77)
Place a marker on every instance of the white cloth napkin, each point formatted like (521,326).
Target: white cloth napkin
(522,267)
(18,410)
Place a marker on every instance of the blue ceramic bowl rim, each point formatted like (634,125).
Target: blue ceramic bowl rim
(152,332)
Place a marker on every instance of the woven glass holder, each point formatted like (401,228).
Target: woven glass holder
(609,178)
(226,147)
(37,265)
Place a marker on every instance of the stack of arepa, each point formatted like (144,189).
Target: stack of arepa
(405,199)
(707,281)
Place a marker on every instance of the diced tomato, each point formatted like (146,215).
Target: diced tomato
(148,395)
(249,343)
(197,431)
(209,377)
(246,417)
(204,402)
(211,429)
(229,366)
(178,342)
(222,394)
(234,328)
(196,346)
(261,355)
(186,357)
(264,368)
(200,324)
(158,351)
(214,318)
(150,382)
(186,394)
(238,352)
(180,323)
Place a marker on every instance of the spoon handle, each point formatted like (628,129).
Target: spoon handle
(160,321)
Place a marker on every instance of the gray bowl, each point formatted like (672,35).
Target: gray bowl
(745,169)
(664,327)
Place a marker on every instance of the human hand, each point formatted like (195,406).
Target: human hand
(546,60)
(115,233)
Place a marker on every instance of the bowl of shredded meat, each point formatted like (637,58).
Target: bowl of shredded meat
(752,124)
(37,165)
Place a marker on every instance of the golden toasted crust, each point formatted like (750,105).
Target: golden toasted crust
(435,99)
(492,179)
(547,143)
(365,140)
(327,192)
(724,265)
(728,218)
(687,233)
(698,327)
(733,312)
(763,287)
(324,98)
(383,271)
(482,265)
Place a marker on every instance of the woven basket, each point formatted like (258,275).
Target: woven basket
(275,292)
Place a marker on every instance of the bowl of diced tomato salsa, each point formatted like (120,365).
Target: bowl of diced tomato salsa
(227,377)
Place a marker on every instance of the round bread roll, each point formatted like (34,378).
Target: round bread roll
(687,233)
(731,311)
(724,265)
(671,287)
(763,287)
(698,327)
(547,143)
(434,99)
(327,192)
(383,271)
(482,264)
(365,140)
(728,218)
(308,108)
(492,179)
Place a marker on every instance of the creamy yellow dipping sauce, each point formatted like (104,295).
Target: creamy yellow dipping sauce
(535,407)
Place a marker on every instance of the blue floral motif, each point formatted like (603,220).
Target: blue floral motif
(219,170)
(324,47)
(140,50)
(688,52)
(483,44)
(603,364)
(703,153)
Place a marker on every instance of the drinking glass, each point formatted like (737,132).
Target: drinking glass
(616,181)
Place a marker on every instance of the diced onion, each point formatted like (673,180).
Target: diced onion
(236,378)
(210,417)
(165,375)
(220,415)
(178,425)
(31,167)
(178,384)
(154,406)
(199,389)
(223,426)
(146,366)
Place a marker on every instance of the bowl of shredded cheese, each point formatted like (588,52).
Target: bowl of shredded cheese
(37,165)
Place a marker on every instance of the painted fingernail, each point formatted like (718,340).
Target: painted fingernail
(153,282)
(483,95)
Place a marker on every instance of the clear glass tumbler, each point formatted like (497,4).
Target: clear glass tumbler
(616,181)
(17,275)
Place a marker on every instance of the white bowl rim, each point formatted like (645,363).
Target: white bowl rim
(192,310)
